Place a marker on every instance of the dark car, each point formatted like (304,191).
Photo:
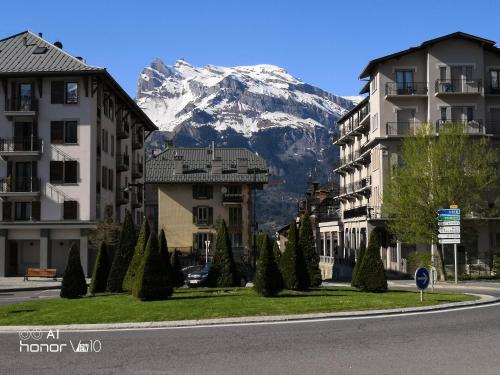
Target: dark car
(199,277)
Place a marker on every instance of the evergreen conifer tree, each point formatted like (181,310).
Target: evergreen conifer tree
(293,265)
(357,266)
(135,263)
(123,255)
(306,243)
(268,277)
(73,283)
(165,260)
(276,252)
(151,282)
(223,273)
(101,271)
(177,269)
(371,274)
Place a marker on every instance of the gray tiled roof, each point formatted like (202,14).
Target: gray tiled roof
(16,56)
(196,162)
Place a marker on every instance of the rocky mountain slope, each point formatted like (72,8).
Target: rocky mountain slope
(288,122)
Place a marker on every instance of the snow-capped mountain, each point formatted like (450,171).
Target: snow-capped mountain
(288,122)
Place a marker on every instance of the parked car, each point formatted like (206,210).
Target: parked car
(199,277)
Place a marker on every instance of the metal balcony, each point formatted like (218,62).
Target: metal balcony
(122,162)
(232,198)
(470,126)
(122,130)
(19,187)
(458,86)
(137,170)
(122,196)
(406,89)
(25,147)
(25,107)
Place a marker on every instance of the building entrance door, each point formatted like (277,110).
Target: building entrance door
(13,258)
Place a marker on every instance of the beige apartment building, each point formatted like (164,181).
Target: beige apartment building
(71,142)
(189,189)
(454,78)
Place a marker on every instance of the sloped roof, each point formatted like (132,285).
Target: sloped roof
(198,164)
(17,56)
(371,64)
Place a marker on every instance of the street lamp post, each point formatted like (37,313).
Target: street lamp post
(207,245)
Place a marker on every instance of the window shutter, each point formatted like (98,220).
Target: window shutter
(57,92)
(35,210)
(7,211)
(57,132)
(210,215)
(9,168)
(71,171)
(195,191)
(210,191)
(195,210)
(195,242)
(70,210)
(56,171)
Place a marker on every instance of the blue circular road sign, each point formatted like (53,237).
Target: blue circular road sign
(422,278)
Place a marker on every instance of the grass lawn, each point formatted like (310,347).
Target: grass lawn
(210,303)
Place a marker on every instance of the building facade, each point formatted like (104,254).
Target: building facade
(454,78)
(71,141)
(189,189)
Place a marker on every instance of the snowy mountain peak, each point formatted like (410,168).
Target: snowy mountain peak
(246,99)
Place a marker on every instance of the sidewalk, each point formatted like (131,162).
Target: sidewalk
(16,284)
(478,285)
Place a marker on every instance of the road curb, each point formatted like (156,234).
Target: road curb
(484,300)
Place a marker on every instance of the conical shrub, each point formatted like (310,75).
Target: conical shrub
(177,269)
(101,271)
(151,282)
(165,261)
(357,266)
(371,277)
(223,273)
(306,243)
(123,255)
(135,263)
(73,283)
(293,265)
(276,252)
(268,277)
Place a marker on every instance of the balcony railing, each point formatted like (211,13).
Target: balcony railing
(20,185)
(458,86)
(137,170)
(402,128)
(30,144)
(21,105)
(493,127)
(122,129)
(232,198)
(470,126)
(136,199)
(492,90)
(405,88)
(122,162)
(137,140)
(355,212)
(121,196)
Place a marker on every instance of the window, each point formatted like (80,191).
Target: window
(202,191)
(105,140)
(110,180)
(199,241)
(63,132)
(57,92)
(375,122)
(71,92)
(22,211)
(442,73)
(70,172)
(443,113)
(71,132)
(104,177)
(70,211)
(404,81)
(56,171)
(236,240)
(112,145)
(373,84)
(234,189)
(470,113)
(203,215)
(495,80)
(235,217)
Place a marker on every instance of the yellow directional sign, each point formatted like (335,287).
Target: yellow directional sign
(454,206)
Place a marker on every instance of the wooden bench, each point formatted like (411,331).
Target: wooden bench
(49,273)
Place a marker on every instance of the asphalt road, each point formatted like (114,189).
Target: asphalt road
(453,342)
(24,296)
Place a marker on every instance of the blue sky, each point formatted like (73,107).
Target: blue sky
(324,43)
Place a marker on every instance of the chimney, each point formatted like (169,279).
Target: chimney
(58,44)
(40,35)
(242,165)
(213,150)
(25,41)
(217,165)
(80,58)
(178,164)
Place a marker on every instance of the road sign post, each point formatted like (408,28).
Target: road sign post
(449,230)
(422,280)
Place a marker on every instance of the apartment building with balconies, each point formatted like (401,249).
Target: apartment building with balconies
(71,142)
(450,79)
(189,189)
